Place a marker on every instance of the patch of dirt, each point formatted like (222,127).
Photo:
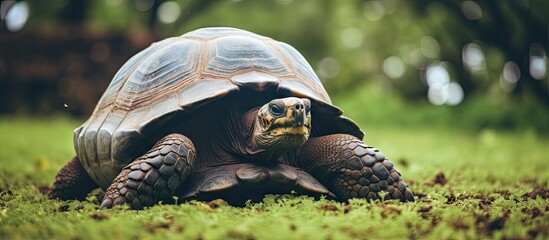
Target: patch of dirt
(534,212)
(293,227)
(79,208)
(537,230)
(439,179)
(390,211)
(7,191)
(450,199)
(180,228)
(540,191)
(347,209)
(505,194)
(167,224)
(329,208)
(422,197)
(436,220)
(354,234)
(232,234)
(417,230)
(459,224)
(424,211)
(403,162)
(481,218)
(100,216)
(484,224)
(64,208)
(484,201)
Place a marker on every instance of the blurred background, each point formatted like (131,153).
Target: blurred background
(466,64)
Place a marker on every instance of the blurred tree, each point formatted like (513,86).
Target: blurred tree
(517,29)
(391,43)
(75,11)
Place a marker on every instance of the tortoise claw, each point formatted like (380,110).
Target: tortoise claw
(107,203)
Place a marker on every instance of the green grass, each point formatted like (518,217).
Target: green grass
(490,184)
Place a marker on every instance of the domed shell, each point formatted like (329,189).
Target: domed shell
(181,74)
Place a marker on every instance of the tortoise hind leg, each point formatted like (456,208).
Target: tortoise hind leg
(351,169)
(72,182)
(155,176)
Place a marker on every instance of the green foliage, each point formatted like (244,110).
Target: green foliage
(373,104)
(32,150)
(489,184)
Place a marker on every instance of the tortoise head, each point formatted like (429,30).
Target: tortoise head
(283,123)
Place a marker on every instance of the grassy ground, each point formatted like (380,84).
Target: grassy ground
(469,185)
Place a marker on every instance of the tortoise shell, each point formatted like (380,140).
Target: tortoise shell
(176,76)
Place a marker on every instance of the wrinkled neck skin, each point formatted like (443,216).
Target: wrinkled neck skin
(240,129)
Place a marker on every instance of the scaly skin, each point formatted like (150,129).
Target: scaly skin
(351,169)
(155,176)
(72,182)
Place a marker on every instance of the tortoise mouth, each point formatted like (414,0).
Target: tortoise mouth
(283,136)
(292,128)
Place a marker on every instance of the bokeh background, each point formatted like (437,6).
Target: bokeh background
(465,64)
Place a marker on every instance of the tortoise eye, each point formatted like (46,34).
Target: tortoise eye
(276,110)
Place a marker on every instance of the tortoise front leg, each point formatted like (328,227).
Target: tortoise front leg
(72,182)
(351,169)
(154,176)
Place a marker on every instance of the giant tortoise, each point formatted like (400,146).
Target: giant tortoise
(221,113)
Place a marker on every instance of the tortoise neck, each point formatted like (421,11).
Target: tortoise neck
(247,122)
(241,129)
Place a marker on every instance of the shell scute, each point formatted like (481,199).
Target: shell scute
(203,90)
(123,74)
(231,54)
(164,71)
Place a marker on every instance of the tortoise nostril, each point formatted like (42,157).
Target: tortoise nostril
(299,106)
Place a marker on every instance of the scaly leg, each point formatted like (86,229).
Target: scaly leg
(155,176)
(351,169)
(72,182)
